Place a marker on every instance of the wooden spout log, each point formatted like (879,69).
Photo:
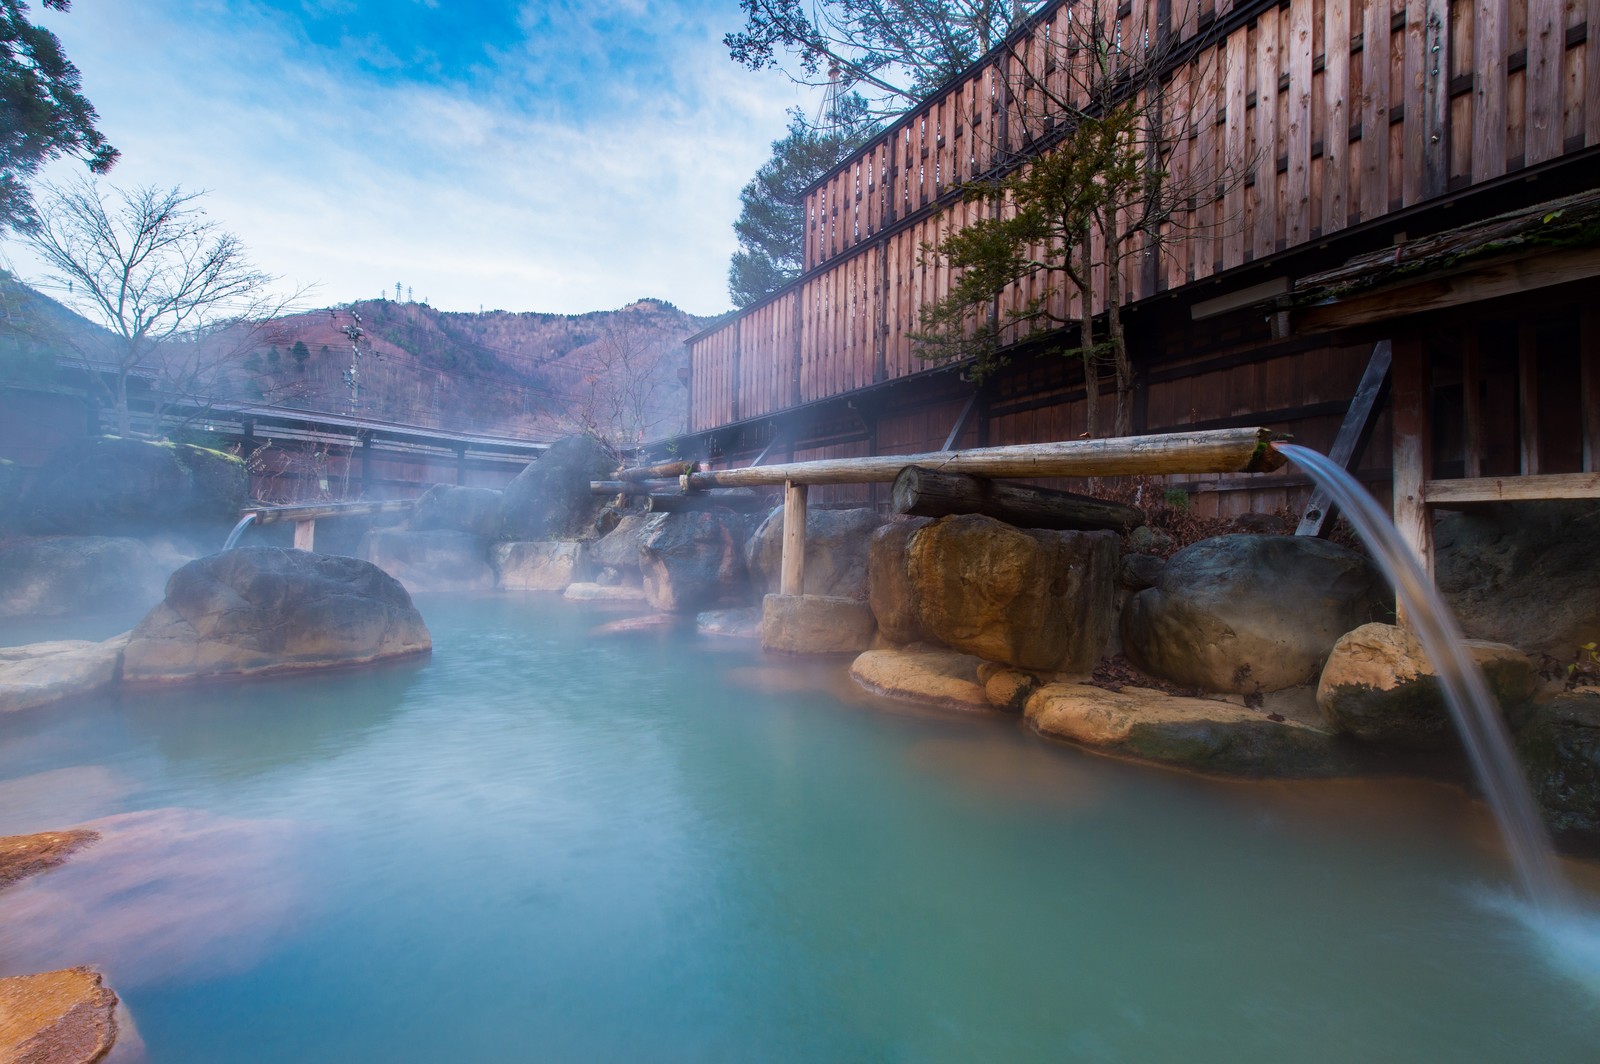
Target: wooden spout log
(630,487)
(1218,451)
(672,504)
(675,468)
(932,493)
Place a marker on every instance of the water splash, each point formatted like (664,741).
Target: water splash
(1476,714)
(238,530)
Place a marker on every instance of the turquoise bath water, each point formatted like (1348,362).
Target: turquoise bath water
(542,845)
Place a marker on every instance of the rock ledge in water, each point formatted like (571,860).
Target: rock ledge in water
(62,1017)
(41,673)
(263,610)
(22,856)
(938,677)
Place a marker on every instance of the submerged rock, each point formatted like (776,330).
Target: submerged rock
(603,593)
(550,499)
(1193,733)
(816,624)
(261,610)
(78,575)
(693,560)
(1380,687)
(937,677)
(550,565)
(41,673)
(431,561)
(1032,598)
(836,552)
(743,622)
(1249,614)
(62,1017)
(1559,746)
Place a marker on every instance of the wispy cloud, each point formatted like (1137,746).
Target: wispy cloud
(561,157)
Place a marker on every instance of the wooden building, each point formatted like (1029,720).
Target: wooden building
(1414,171)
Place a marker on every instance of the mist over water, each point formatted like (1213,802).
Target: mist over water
(539,845)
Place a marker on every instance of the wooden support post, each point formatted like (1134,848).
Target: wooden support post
(461,465)
(1412,452)
(961,424)
(366,467)
(1528,394)
(793,581)
(1353,435)
(305,531)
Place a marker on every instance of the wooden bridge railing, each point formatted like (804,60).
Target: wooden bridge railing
(1301,118)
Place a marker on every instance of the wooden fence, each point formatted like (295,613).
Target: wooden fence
(1293,120)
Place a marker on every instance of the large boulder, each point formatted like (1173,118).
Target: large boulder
(78,575)
(836,552)
(693,560)
(1248,614)
(1032,598)
(889,588)
(1527,574)
(115,486)
(1559,745)
(447,508)
(550,565)
(431,561)
(550,499)
(1193,733)
(1380,687)
(41,673)
(618,550)
(816,624)
(262,610)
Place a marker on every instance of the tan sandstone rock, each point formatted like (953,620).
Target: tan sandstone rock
(548,565)
(816,624)
(1196,733)
(1380,687)
(40,673)
(61,1017)
(938,677)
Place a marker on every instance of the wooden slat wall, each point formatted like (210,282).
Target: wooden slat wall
(1309,117)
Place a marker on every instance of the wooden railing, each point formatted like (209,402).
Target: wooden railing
(1293,121)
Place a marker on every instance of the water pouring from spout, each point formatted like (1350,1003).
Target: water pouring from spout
(1476,715)
(238,530)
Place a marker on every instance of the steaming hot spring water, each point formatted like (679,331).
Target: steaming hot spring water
(542,845)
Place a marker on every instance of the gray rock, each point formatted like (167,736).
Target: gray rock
(431,561)
(550,499)
(743,622)
(619,548)
(836,552)
(78,575)
(550,565)
(1527,574)
(1140,571)
(1559,745)
(694,560)
(41,673)
(603,593)
(114,486)
(1380,687)
(262,610)
(446,508)
(1250,613)
(816,624)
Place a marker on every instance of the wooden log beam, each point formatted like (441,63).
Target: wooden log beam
(1243,450)
(933,493)
(631,487)
(793,579)
(672,504)
(675,468)
(1450,494)
(267,515)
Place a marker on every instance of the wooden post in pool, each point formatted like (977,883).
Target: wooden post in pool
(794,539)
(304,532)
(1412,437)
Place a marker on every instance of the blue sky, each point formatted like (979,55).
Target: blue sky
(535,156)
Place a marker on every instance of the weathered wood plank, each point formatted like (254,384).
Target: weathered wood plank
(1297,200)
(1543,92)
(267,515)
(1450,494)
(1264,240)
(1472,406)
(1336,122)
(1375,38)
(1354,432)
